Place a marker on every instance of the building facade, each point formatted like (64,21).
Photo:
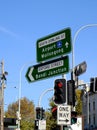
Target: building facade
(89,110)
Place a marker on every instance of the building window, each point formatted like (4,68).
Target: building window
(89,106)
(93,105)
(94,119)
(89,120)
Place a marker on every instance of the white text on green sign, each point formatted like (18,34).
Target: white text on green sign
(48,69)
(53,45)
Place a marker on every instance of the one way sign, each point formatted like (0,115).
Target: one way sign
(64,115)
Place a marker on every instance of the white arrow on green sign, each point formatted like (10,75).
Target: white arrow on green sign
(53,45)
(48,69)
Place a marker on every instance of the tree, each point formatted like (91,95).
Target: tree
(79,101)
(27,113)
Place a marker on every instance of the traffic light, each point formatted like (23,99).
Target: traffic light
(60,91)
(73,117)
(93,84)
(71,92)
(43,113)
(40,113)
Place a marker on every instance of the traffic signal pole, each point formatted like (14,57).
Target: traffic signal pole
(2,83)
(2,95)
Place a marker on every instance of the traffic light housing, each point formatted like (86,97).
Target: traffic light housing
(73,117)
(43,113)
(40,113)
(60,91)
(93,84)
(71,92)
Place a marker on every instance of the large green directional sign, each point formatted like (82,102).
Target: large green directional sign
(53,45)
(48,69)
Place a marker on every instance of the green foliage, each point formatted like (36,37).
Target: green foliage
(12,109)
(51,103)
(79,101)
(27,124)
(27,113)
(51,122)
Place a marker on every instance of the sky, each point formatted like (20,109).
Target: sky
(23,22)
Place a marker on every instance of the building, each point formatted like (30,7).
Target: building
(89,110)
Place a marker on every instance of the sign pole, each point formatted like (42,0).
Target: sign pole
(61,127)
(64,77)
(66,103)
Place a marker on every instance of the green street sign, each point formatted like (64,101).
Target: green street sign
(56,44)
(48,69)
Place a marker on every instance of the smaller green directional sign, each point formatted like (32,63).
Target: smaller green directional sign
(48,69)
(56,44)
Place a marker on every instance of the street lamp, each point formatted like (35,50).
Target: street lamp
(44,92)
(75,36)
(20,87)
(73,60)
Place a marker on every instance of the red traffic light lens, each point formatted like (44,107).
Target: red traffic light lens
(59,84)
(54,109)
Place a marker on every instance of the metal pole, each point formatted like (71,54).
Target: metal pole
(44,92)
(64,77)
(61,127)
(75,36)
(2,95)
(20,89)
(19,109)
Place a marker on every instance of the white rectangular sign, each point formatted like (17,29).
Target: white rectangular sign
(64,115)
(42,124)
